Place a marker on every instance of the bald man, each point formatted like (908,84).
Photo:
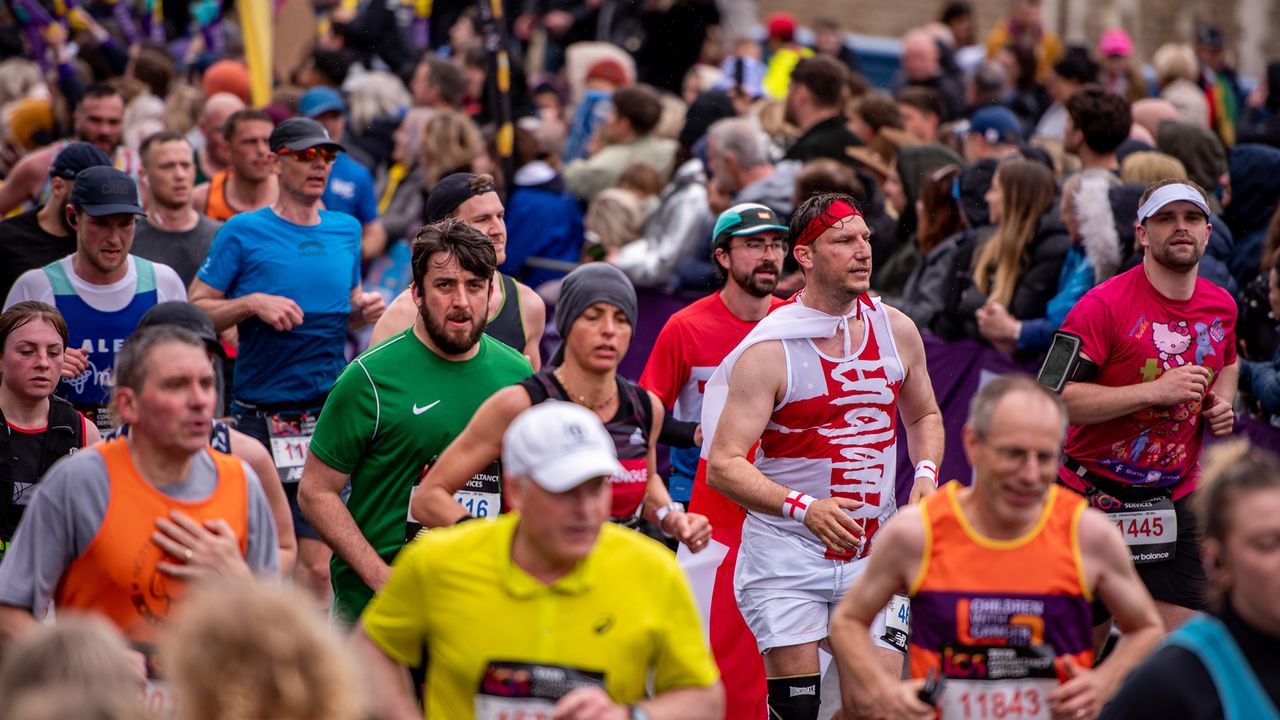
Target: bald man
(214,155)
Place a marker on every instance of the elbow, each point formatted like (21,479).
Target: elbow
(716,475)
(712,702)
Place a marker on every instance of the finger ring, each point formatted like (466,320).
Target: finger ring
(189,554)
(1081,713)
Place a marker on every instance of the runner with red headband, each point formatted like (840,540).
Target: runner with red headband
(819,385)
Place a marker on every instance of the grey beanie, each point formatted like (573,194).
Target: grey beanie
(587,285)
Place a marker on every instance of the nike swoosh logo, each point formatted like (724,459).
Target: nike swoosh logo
(419,410)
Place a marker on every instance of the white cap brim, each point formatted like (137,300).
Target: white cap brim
(570,471)
(1176,192)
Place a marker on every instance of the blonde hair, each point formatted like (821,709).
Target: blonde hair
(252,650)
(82,651)
(450,141)
(1175,61)
(1027,189)
(60,702)
(1147,166)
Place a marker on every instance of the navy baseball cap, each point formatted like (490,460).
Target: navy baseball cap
(184,315)
(452,191)
(744,219)
(75,157)
(996,124)
(300,134)
(320,100)
(103,191)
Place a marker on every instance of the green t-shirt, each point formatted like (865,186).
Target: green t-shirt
(392,410)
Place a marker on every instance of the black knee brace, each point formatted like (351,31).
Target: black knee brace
(795,698)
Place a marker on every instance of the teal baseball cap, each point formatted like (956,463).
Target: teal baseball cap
(744,219)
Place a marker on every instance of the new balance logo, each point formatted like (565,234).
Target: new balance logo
(806,690)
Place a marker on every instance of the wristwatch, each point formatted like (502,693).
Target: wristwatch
(667,509)
(637,712)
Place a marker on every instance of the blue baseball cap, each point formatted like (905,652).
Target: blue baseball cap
(75,157)
(104,190)
(996,124)
(320,100)
(744,219)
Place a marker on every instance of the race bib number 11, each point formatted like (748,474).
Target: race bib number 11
(290,440)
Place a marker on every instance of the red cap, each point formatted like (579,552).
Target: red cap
(781,26)
(609,70)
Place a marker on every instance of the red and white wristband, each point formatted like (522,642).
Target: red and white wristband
(927,469)
(796,505)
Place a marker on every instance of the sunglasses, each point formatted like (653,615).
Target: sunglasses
(310,154)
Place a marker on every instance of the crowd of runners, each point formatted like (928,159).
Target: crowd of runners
(313,394)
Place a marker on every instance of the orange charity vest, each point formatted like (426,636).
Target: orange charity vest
(997,618)
(217,207)
(117,575)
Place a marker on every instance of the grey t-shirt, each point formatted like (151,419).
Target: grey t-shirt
(69,507)
(182,251)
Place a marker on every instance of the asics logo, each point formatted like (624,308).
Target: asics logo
(419,410)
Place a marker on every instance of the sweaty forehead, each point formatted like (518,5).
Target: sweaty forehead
(852,226)
(103,106)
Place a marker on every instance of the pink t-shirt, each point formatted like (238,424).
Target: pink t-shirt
(1134,334)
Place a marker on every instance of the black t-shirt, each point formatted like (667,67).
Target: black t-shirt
(183,251)
(24,245)
(1174,685)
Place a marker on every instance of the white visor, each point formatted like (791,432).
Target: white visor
(1168,194)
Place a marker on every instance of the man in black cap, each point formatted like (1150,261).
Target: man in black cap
(38,237)
(1219,81)
(474,200)
(288,277)
(101,289)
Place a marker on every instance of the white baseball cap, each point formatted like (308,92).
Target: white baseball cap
(560,445)
(1171,193)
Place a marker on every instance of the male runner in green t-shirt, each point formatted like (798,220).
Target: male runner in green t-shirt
(397,406)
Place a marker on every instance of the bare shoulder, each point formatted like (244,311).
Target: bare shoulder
(1099,537)
(531,303)
(763,364)
(904,534)
(247,448)
(399,315)
(506,404)
(904,328)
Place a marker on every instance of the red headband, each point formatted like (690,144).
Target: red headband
(838,211)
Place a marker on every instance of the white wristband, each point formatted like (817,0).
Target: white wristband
(926,468)
(796,505)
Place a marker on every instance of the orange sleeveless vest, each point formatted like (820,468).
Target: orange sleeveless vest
(979,604)
(118,575)
(217,207)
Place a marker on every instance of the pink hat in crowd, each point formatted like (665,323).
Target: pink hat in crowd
(781,26)
(1115,43)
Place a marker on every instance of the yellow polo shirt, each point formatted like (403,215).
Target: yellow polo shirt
(491,630)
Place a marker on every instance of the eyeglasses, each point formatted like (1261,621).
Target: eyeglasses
(311,153)
(759,247)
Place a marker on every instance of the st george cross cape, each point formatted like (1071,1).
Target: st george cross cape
(710,572)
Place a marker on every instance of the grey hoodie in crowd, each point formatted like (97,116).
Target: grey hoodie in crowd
(680,225)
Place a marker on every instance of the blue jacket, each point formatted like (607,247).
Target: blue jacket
(1075,280)
(543,221)
(1262,378)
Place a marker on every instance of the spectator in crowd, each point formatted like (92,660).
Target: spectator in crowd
(940,226)
(255,650)
(248,184)
(544,232)
(1094,257)
(1224,663)
(437,84)
(602,80)
(1018,267)
(783,54)
(1178,81)
(922,67)
(828,39)
(614,219)
(374,106)
(673,234)
(914,166)
(38,237)
(1117,72)
(451,143)
(1261,378)
(922,113)
(994,132)
(1144,168)
(1253,194)
(1260,121)
(1219,82)
(172,232)
(1023,28)
(738,155)
(213,152)
(871,112)
(626,136)
(989,84)
(1071,73)
(1199,150)
(402,185)
(814,105)
(350,188)
(1098,123)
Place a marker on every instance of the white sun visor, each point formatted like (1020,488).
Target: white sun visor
(1169,194)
